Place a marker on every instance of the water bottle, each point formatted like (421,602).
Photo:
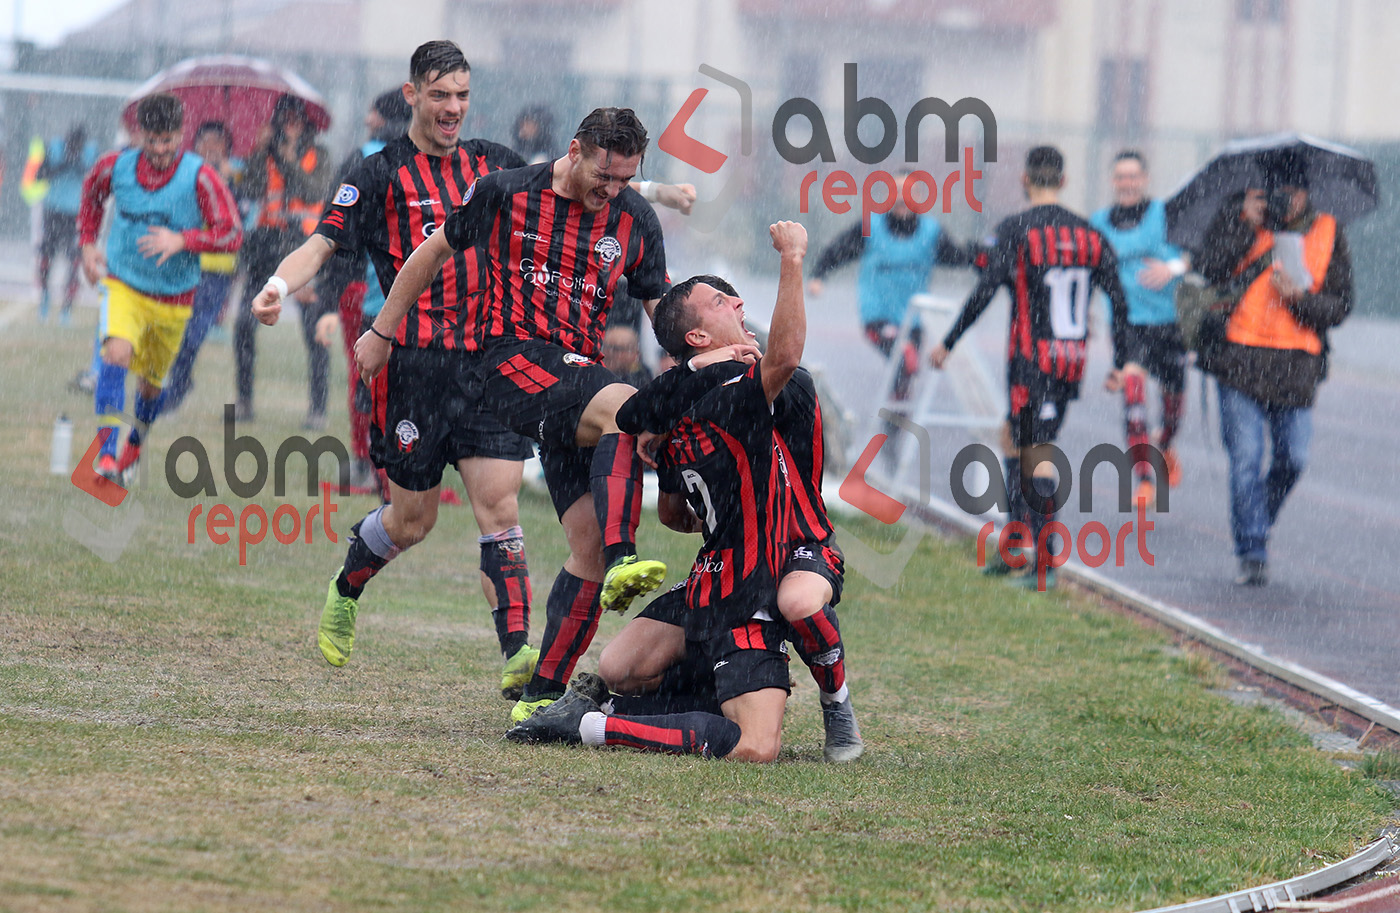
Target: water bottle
(61,449)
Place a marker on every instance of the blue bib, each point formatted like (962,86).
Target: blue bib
(374,293)
(1147,239)
(135,209)
(893,268)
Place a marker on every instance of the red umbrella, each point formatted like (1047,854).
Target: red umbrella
(240,91)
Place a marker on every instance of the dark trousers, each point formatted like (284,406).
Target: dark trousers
(262,251)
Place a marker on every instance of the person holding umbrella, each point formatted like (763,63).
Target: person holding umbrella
(286,179)
(1275,349)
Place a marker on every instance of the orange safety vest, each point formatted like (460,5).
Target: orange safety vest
(1262,319)
(277,210)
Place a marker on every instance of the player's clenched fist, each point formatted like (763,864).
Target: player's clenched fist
(267,306)
(789,238)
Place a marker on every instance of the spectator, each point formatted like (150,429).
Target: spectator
(286,178)
(532,137)
(1275,349)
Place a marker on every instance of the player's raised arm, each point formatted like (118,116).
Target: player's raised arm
(787,335)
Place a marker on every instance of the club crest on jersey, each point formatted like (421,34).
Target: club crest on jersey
(407,433)
(577,360)
(468,195)
(608,249)
(347,195)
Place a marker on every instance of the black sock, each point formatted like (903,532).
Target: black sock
(571,619)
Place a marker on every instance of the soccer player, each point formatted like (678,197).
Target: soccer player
(737,482)
(811,581)
(168,208)
(553,239)
(1051,260)
(1149,269)
(895,263)
(66,163)
(428,409)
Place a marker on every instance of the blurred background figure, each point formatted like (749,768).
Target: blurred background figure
(1149,269)
(622,355)
(214,143)
(348,292)
(285,179)
(533,134)
(66,163)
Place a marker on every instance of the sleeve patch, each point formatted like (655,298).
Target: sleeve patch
(347,195)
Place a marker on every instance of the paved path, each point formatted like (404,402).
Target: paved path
(1333,603)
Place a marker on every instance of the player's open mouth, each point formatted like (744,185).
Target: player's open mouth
(449,125)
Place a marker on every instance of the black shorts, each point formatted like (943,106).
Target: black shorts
(60,234)
(540,390)
(822,558)
(428,412)
(750,657)
(1159,349)
(1037,412)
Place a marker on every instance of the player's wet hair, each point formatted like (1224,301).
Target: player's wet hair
(1131,155)
(436,59)
(674,317)
(160,113)
(616,130)
(1045,167)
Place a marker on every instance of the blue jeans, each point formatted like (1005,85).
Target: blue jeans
(1256,496)
(209,298)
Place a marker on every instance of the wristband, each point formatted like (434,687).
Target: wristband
(690,363)
(1177,266)
(650,190)
(278,283)
(379,334)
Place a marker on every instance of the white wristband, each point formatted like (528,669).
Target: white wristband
(1177,266)
(650,190)
(690,364)
(278,283)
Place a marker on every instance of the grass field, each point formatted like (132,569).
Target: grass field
(171,740)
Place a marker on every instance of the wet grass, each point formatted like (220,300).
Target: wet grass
(171,740)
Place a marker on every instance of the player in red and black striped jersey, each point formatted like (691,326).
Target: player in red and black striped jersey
(553,240)
(427,410)
(724,456)
(1050,260)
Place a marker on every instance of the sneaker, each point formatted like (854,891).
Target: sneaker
(1145,496)
(559,720)
(107,468)
(520,668)
(43,306)
(524,709)
(842,734)
(83,382)
(448,495)
(994,565)
(1173,467)
(336,634)
(628,578)
(1253,572)
(127,463)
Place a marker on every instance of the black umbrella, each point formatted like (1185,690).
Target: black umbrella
(1341,181)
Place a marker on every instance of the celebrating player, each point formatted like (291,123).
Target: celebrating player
(1050,259)
(427,410)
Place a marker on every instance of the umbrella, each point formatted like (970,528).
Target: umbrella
(1341,181)
(240,91)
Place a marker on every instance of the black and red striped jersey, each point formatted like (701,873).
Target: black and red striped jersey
(551,267)
(724,456)
(1050,260)
(797,429)
(390,203)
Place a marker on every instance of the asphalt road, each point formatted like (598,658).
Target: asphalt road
(1333,601)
